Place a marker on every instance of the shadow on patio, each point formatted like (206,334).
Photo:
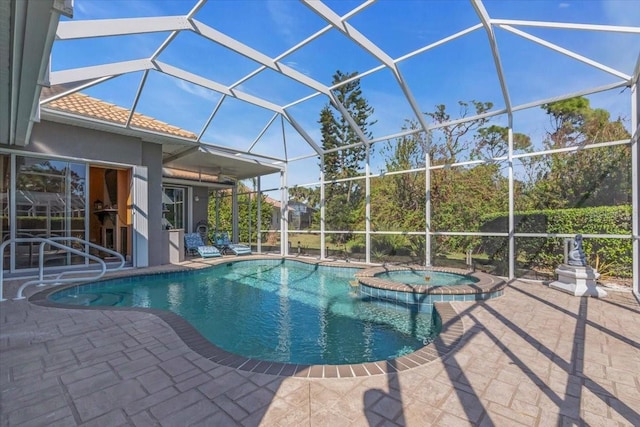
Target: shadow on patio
(533,357)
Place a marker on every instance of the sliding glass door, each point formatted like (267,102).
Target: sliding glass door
(5,179)
(50,200)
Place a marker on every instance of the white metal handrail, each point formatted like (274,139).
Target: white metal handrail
(54,241)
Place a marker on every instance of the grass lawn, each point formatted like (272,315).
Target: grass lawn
(310,241)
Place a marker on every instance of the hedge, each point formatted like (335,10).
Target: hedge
(610,256)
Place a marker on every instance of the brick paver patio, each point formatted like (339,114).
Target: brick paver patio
(534,356)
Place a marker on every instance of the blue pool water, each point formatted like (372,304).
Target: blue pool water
(436,278)
(288,311)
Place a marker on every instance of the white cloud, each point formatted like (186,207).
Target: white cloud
(83,9)
(564,5)
(280,12)
(197,90)
(80,7)
(621,12)
(296,66)
(114,9)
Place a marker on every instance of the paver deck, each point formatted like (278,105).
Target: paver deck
(534,356)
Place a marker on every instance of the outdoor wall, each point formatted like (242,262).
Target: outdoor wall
(151,156)
(200,211)
(57,139)
(65,140)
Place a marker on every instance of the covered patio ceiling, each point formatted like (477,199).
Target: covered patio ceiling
(247,81)
(203,160)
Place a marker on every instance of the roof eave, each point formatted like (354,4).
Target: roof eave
(171,143)
(106,126)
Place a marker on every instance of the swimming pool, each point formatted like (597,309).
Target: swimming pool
(275,310)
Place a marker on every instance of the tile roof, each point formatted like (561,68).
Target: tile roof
(276,203)
(84,105)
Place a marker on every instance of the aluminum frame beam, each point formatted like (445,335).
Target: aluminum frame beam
(270,63)
(215,86)
(72,30)
(635,177)
(119,68)
(567,26)
(211,116)
(137,97)
(110,27)
(99,71)
(353,34)
(566,52)
(76,89)
(140,25)
(248,52)
(263,131)
(303,133)
(486,22)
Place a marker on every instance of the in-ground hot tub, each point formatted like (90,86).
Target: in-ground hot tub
(418,287)
(431,278)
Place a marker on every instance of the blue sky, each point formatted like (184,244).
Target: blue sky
(460,70)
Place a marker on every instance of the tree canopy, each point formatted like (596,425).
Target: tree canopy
(461,196)
(595,177)
(343,198)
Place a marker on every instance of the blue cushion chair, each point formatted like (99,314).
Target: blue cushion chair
(223,243)
(193,244)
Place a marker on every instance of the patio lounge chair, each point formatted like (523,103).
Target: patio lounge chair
(223,243)
(193,243)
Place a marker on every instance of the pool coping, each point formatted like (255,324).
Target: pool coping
(448,339)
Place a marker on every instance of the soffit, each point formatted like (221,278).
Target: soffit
(223,165)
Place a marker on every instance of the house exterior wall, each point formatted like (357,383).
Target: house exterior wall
(151,156)
(200,208)
(55,139)
(72,141)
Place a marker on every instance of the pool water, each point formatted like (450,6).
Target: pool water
(283,311)
(436,278)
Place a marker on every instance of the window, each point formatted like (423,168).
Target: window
(173,207)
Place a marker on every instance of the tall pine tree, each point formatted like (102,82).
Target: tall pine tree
(344,198)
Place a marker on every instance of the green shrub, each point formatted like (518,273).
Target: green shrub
(390,244)
(548,253)
(356,245)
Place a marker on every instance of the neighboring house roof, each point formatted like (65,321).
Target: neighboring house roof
(300,207)
(84,105)
(273,202)
(291,205)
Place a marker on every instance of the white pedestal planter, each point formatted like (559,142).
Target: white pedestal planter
(579,281)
